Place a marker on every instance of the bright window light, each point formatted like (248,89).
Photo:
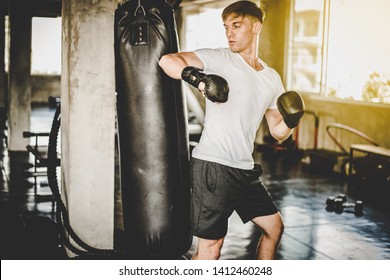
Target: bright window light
(46,46)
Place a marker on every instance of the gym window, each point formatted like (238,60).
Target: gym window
(202,24)
(46,46)
(340,49)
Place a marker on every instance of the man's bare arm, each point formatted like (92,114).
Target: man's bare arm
(277,127)
(174,63)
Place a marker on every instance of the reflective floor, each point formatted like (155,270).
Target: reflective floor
(300,192)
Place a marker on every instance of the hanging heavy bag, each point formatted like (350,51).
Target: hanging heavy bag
(153,138)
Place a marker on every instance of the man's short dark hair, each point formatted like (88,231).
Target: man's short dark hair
(245,9)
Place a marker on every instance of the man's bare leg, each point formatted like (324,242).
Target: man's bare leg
(208,249)
(272,227)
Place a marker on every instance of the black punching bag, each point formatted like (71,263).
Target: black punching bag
(153,137)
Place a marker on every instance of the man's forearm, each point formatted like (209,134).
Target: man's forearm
(280,131)
(172,65)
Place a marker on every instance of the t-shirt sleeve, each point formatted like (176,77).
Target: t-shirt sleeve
(210,58)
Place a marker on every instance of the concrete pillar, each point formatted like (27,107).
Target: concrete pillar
(88,118)
(273,36)
(19,74)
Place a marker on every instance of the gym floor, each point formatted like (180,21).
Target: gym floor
(300,191)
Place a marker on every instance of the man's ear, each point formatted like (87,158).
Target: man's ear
(257,27)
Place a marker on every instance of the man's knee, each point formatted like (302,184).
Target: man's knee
(209,249)
(278,229)
(272,226)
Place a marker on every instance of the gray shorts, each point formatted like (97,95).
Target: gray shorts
(218,190)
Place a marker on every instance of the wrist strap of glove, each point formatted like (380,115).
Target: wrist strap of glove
(292,121)
(192,75)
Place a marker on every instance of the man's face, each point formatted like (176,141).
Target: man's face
(240,32)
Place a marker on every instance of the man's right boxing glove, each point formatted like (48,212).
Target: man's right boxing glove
(216,88)
(291,107)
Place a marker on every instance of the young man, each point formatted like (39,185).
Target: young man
(240,89)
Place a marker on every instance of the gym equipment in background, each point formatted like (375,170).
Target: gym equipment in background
(328,161)
(339,204)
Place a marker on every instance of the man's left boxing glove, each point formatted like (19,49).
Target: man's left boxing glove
(291,107)
(216,88)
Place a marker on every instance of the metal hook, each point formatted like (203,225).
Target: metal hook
(139,7)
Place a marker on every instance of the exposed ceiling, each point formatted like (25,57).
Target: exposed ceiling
(37,8)
(52,8)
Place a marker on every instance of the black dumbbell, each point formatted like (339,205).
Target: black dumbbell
(332,200)
(358,207)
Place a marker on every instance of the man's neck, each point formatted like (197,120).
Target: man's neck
(250,56)
(252,59)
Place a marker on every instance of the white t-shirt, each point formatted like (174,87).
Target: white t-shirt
(230,128)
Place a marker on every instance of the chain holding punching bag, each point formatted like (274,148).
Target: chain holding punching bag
(153,137)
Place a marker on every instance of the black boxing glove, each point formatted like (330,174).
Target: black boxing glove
(216,88)
(291,107)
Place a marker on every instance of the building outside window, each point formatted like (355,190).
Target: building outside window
(340,48)
(306,46)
